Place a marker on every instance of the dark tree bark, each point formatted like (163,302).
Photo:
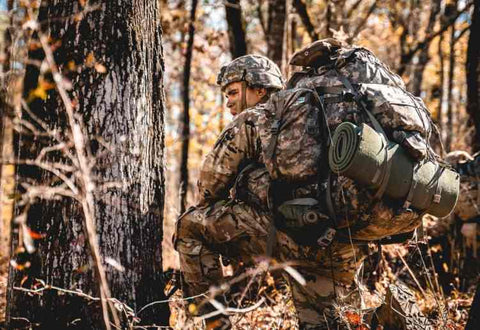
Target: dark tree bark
(473,75)
(277,14)
(441,83)
(113,57)
(329,18)
(236,32)
(302,11)
(10,90)
(186,110)
(451,71)
(474,315)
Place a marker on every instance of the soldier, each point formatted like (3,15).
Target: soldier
(218,224)
(238,225)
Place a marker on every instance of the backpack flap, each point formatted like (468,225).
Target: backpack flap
(404,117)
(291,138)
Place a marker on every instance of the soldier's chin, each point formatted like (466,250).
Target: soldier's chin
(233,112)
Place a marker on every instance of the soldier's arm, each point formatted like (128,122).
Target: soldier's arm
(236,147)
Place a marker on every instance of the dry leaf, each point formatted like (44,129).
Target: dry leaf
(100,68)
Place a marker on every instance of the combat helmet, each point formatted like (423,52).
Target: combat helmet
(255,70)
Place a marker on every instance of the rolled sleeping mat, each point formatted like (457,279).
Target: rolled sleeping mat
(361,154)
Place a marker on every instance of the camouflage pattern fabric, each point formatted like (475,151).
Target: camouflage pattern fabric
(220,225)
(359,65)
(256,70)
(317,53)
(329,275)
(239,231)
(229,222)
(293,152)
(403,116)
(468,204)
(237,146)
(230,228)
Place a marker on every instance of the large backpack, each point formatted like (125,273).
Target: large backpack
(341,84)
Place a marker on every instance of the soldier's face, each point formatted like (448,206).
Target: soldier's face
(233,93)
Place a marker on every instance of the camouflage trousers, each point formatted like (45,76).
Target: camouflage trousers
(238,231)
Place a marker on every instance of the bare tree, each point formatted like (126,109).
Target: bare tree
(441,78)
(301,9)
(410,50)
(423,58)
(277,14)
(236,32)
(186,110)
(451,69)
(90,169)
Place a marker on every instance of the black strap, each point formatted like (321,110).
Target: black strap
(359,100)
(329,201)
(274,130)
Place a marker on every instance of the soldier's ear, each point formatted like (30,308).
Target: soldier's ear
(261,92)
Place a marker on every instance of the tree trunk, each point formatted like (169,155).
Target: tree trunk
(10,92)
(441,84)
(277,14)
(423,58)
(329,18)
(186,110)
(302,11)
(113,57)
(236,33)
(451,69)
(474,315)
(473,75)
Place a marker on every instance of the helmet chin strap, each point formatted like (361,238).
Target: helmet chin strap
(243,104)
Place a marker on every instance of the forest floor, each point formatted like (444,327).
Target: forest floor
(443,295)
(442,281)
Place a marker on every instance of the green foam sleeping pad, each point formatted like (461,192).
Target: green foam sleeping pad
(358,152)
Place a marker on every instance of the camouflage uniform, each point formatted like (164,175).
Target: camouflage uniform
(236,222)
(239,229)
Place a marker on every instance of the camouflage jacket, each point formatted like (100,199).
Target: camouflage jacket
(240,145)
(237,147)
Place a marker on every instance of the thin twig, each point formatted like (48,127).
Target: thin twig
(411,272)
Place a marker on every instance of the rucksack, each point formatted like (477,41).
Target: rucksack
(349,86)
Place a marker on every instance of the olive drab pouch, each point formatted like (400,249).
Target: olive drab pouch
(303,219)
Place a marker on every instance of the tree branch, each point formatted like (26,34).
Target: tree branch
(365,19)
(302,11)
(353,8)
(406,58)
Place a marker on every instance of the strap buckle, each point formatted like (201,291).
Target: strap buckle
(348,96)
(326,238)
(275,127)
